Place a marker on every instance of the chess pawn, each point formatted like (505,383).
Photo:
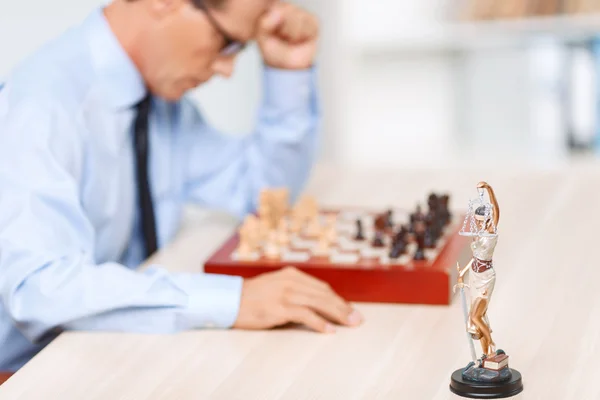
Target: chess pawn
(314,227)
(398,248)
(283,237)
(282,196)
(389,220)
(378,240)
(323,244)
(420,253)
(380,223)
(331,227)
(360,235)
(432,202)
(251,226)
(244,249)
(296,221)
(444,201)
(263,229)
(331,233)
(429,240)
(419,215)
(402,234)
(311,208)
(265,213)
(272,250)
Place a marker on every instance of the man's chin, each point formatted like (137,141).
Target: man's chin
(172,95)
(176,92)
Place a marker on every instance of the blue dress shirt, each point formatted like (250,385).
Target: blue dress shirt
(70,237)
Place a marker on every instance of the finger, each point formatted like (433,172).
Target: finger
(308,26)
(303,315)
(311,286)
(288,28)
(271,21)
(310,29)
(346,312)
(314,287)
(321,305)
(296,275)
(293,25)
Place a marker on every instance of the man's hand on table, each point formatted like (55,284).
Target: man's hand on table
(291,296)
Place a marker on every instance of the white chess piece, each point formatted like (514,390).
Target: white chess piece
(244,249)
(272,249)
(324,243)
(331,230)
(283,237)
(314,227)
(297,219)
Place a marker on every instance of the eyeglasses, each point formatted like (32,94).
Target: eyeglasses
(231,46)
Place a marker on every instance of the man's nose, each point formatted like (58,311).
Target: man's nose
(224,66)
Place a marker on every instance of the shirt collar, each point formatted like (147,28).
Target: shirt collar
(119,81)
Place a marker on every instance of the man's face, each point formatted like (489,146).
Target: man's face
(182,49)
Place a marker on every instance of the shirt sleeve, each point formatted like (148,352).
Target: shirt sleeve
(228,172)
(49,281)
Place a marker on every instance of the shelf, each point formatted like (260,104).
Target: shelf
(440,36)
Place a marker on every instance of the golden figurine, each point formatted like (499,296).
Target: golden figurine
(488,375)
(482,276)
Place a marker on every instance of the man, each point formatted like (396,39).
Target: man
(99,150)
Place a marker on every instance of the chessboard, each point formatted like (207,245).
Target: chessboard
(387,256)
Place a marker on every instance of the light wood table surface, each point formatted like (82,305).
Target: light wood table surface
(545,311)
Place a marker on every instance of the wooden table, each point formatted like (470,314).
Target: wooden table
(545,312)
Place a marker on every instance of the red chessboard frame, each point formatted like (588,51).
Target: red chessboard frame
(417,282)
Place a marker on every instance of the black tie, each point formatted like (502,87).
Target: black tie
(141,147)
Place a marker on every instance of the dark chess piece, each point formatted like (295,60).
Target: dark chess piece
(420,253)
(419,215)
(445,211)
(398,248)
(411,227)
(359,231)
(378,240)
(429,239)
(438,227)
(433,202)
(389,220)
(419,227)
(429,221)
(380,223)
(401,235)
(403,231)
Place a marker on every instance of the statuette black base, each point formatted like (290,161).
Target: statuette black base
(486,390)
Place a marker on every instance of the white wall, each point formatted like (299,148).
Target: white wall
(398,106)
(25,25)
(413,95)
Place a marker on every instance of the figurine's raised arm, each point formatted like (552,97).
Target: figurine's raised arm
(493,200)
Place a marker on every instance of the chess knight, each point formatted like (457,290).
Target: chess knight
(491,369)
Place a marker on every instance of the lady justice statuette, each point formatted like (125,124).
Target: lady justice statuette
(489,375)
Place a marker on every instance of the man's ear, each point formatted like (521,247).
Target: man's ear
(163,8)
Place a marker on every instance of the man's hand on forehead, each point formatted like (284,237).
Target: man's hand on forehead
(287,36)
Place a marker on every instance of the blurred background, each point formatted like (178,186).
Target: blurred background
(413,83)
